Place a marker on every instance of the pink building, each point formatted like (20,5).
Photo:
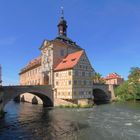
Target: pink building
(114,79)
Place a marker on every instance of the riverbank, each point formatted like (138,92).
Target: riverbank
(2,113)
(76,106)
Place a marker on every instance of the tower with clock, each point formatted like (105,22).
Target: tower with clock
(54,51)
(64,65)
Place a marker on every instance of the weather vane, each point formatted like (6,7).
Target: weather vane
(62,11)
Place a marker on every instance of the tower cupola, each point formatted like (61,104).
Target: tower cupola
(62,25)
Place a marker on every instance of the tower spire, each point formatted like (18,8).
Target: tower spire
(62,12)
(62,25)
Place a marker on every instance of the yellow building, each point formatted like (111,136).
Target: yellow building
(64,65)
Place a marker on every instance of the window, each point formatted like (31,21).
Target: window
(83,73)
(90,82)
(69,82)
(57,83)
(85,93)
(73,59)
(81,92)
(62,52)
(64,61)
(38,81)
(76,73)
(75,82)
(85,82)
(56,74)
(89,74)
(79,82)
(69,73)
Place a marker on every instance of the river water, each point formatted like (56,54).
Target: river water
(116,121)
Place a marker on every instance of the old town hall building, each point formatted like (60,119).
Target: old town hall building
(64,65)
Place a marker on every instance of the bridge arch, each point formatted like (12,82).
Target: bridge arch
(43,92)
(47,102)
(100,96)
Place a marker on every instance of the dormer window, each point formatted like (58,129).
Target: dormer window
(64,61)
(73,59)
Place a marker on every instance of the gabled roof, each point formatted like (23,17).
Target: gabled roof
(112,76)
(69,61)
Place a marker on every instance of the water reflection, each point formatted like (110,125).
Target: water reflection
(26,121)
(108,122)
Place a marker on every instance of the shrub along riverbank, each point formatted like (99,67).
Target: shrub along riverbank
(130,89)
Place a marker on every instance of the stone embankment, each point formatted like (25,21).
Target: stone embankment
(1,105)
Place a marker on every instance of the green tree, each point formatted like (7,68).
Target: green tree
(130,89)
(97,78)
(134,75)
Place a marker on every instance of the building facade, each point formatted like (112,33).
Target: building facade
(64,65)
(114,79)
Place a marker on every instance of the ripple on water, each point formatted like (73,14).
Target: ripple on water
(128,124)
(104,122)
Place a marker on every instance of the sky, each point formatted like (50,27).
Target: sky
(108,30)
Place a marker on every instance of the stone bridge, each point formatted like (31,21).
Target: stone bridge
(101,93)
(42,91)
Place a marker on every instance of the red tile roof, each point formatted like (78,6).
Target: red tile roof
(70,61)
(112,76)
(33,63)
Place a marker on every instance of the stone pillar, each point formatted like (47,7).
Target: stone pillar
(52,78)
(111,89)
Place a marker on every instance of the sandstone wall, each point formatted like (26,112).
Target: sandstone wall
(28,98)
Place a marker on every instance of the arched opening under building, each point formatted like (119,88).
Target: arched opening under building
(34,98)
(100,97)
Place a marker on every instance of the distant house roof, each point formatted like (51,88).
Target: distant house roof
(69,61)
(112,76)
(33,63)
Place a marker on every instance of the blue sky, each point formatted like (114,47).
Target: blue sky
(108,30)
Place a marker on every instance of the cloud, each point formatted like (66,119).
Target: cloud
(8,41)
